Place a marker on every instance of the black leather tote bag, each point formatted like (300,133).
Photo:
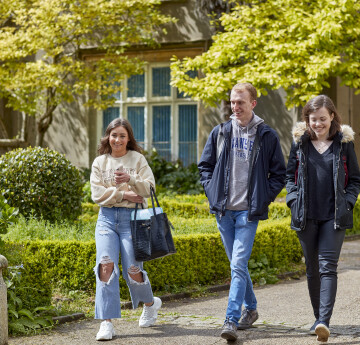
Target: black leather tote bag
(151,232)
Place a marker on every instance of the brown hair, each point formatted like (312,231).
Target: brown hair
(105,147)
(241,87)
(321,101)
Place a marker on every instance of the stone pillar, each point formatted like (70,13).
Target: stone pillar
(3,305)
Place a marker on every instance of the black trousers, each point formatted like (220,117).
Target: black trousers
(321,245)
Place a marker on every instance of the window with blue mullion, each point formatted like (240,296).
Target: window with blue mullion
(108,115)
(161,82)
(191,74)
(188,134)
(161,130)
(136,119)
(136,86)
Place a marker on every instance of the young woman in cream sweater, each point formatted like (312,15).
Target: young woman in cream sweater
(120,178)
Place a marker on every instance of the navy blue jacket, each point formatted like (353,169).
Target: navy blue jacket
(266,172)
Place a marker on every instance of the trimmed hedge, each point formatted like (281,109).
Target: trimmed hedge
(278,241)
(35,287)
(186,209)
(200,259)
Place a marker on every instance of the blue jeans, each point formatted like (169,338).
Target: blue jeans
(321,245)
(238,235)
(113,236)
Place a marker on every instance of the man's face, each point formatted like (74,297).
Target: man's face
(242,106)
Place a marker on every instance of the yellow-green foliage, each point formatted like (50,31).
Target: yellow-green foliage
(280,243)
(356,228)
(194,225)
(35,288)
(187,206)
(200,259)
(278,210)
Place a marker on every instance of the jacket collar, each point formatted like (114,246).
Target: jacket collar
(299,130)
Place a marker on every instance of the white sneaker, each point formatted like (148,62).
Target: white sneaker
(149,314)
(106,331)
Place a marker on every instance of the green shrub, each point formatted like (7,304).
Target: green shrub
(87,193)
(173,177)
(278,242)
(8,216)
(200,259)
(42,183)
(20,319)
(32,290)
(279,210)
(186,206)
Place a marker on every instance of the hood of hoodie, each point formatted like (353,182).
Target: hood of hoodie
(251,126)
(299,129)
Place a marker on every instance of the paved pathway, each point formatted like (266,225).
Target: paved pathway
(284,309)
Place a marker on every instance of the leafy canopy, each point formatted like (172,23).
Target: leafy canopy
(297,45)
(42,47)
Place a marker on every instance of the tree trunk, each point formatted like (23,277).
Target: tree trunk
(46,119)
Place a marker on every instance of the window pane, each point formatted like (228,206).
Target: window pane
(188,134)
(191,74)
(161,130)
(136,119)
(136,86)
(108,115)
(161,81)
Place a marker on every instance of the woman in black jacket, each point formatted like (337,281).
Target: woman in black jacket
(322,183)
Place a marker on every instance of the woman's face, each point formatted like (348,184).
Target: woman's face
(320,123)
(118,140)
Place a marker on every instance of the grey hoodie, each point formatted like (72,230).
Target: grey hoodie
(242,140)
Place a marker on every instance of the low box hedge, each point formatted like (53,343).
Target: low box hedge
(200,259)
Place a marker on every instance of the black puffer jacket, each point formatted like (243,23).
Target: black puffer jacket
(345,172)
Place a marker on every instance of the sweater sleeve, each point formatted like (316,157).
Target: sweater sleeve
(101,195)
(141,182)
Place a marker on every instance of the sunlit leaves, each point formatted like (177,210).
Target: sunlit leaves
(297,45)
(44,44)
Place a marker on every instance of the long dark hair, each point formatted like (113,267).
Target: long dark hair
(105,147)
(321,101)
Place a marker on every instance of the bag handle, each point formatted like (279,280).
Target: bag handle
(136,208)
(153,195)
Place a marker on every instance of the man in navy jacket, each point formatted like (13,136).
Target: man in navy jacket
(242,170)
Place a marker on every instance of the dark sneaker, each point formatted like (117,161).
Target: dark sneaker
(322,332)
(248,317)
(228,331)
(312,329)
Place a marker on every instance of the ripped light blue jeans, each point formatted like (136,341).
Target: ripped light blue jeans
(113,236)
(238,236)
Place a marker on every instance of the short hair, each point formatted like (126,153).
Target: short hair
(105,147)
(316,103)
(241,87)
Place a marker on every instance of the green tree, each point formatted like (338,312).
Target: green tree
(44,45)
(297,45)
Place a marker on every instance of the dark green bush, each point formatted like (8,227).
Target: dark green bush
(200,259)
(8,216)
(33,290)
(42,183)
(173,176)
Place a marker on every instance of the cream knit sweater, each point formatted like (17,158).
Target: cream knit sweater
(106,193)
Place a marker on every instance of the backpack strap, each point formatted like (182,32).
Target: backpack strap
(220,141)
